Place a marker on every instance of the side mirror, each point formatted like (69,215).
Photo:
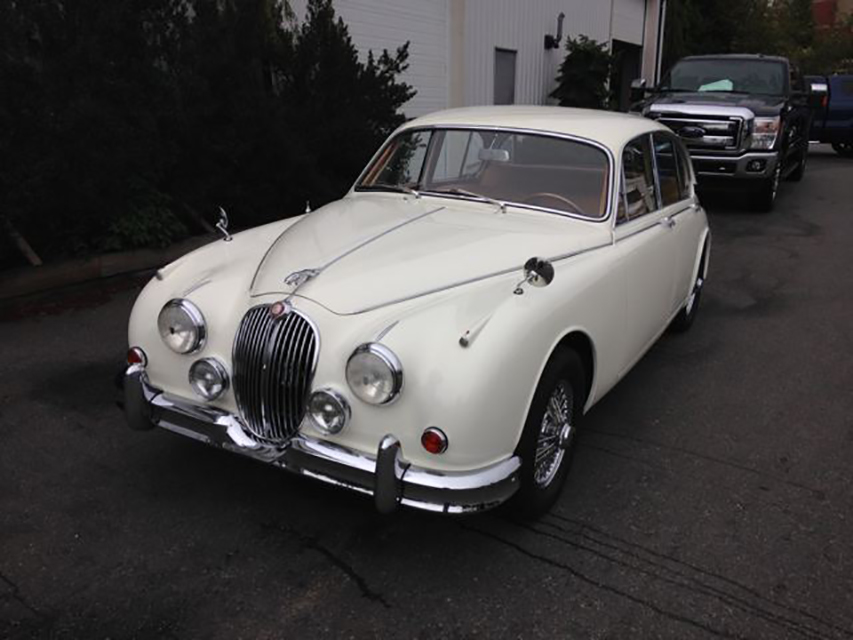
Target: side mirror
(638,89)
(538,272)
(817,94)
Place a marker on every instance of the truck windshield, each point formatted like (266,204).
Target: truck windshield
(733,75)
(497,166)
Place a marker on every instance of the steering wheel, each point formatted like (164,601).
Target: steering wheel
(553,196)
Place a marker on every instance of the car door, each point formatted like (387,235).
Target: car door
(647,251)
(679,206)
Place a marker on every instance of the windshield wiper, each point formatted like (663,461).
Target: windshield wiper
(395,188)
(455,191)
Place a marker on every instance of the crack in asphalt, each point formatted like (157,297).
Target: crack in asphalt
(671,615)
(596,534)
(818,493)
(683,581)
(15,594)
(313,543)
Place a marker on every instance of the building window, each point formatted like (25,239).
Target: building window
(504,76)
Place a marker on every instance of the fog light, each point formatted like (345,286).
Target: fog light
(329,411)
(434,440)
(756,166)
(208,378)
(135,355)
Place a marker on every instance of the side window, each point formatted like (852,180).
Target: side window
(639,182)
(667,163)
(685,170)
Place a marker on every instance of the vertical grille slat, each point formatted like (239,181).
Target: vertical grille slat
(274,360)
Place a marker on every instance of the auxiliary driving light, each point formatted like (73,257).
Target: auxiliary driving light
(208,378)
(434,440)
(329,411)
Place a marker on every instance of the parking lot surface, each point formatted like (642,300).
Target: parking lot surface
(711,494)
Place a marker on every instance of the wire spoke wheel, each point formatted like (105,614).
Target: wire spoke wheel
(555,432)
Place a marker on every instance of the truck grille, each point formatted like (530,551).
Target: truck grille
(274,360)
(706,133)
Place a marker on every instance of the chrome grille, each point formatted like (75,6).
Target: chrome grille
(717,133)
(274,360)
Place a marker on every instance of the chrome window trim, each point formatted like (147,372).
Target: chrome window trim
(390,359)
(611,164)
(655,172)
(197,319)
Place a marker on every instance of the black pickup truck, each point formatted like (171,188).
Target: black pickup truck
(833,120)
(744,118)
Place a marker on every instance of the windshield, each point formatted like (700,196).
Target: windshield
(728,75)
(502,167)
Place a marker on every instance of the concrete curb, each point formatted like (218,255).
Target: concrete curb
(29,280)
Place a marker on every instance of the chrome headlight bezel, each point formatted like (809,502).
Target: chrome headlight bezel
(765,132)
(194,318)
(393,372)
(336,399)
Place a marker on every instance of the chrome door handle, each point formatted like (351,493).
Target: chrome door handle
(668,222)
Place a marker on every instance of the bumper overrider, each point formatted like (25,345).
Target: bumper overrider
(387,476)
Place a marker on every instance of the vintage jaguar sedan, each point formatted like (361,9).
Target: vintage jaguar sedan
(433,338)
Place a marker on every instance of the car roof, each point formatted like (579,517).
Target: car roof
(609,128)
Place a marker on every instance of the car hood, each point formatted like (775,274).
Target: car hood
(370,250)
(760,105)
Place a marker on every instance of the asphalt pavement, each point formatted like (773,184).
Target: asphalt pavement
(711,494)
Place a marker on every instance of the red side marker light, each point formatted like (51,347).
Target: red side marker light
(135,355)
(434,440)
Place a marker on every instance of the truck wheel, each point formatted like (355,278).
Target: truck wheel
(547,441)
(844,149)
(764,196)
(797,174)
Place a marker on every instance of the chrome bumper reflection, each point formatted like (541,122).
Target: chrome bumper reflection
(387,476)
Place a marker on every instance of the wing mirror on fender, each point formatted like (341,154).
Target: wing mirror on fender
(538,272)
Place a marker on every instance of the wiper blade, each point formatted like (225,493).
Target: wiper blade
(455,191)
(394,188)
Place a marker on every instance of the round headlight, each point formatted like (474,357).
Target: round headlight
(208,378)
(329,410)
(374,373)
(181,326)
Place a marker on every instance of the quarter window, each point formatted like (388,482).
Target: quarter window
(685,170)
(638,197)
(667,163)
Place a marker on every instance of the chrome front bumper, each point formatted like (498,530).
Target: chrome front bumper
(386,476)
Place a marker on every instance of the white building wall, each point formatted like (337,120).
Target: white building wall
(628,20)
(375,25)
(452,42)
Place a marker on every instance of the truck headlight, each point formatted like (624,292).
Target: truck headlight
(764,133)
(374,373)
(181,326)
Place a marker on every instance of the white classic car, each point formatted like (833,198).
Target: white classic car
(433,338)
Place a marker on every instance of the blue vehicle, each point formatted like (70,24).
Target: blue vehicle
(833,121)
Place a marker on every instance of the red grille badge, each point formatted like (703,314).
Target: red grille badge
(279,309)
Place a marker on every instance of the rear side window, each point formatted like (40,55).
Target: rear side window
(638,197)
(667,163)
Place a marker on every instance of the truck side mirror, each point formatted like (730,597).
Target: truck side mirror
(638,89)
(817,94)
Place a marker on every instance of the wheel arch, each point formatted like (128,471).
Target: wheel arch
(580,342)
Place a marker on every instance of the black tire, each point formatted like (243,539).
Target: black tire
(764,197)
(541,486)
(844,149)
(687,315)
(797,174)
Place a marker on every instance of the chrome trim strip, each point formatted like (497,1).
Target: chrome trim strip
(468,281)
(524,131)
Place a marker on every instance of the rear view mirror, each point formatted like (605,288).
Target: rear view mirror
(494,155)
(817,94)
(638,90)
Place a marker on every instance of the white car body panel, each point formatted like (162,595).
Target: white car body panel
(423,285)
